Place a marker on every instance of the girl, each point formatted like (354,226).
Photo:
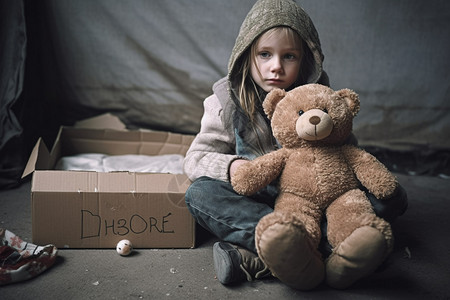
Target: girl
(277,46)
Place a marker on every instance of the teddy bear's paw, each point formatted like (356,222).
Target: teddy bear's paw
(285,248)
(243,184)
(356,257)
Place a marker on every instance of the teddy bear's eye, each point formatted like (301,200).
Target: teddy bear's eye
(325,110)
(300,112)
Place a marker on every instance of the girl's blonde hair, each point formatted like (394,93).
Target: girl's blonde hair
(248,91)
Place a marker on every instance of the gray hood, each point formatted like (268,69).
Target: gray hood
(266,14)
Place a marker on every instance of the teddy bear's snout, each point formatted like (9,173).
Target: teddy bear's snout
(314,124)
(314,120)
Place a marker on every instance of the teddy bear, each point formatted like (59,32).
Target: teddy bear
(318,173)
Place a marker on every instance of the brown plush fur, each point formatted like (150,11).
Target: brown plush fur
(318,175)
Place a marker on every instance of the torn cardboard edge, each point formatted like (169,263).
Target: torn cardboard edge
(87,209)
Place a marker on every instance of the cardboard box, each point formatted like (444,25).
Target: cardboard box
(87,209)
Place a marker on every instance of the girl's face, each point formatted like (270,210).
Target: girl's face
(276,60)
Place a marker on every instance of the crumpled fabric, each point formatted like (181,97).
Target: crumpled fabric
(20,260)
(168,163)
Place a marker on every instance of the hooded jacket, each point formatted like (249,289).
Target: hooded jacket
(226,134)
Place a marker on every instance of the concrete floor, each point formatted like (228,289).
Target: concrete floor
(189,273)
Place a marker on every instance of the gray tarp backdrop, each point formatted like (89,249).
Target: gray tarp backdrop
(152,63)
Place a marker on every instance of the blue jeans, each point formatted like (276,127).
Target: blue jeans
(233,218)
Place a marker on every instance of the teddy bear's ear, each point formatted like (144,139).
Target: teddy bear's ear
(351,98)
(271,101)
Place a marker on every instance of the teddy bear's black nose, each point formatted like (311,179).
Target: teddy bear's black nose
(314,120)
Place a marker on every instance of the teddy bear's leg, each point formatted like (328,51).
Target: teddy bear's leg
(284,243)
(360,239)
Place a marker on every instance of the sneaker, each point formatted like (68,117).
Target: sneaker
(234,264)
(20,260)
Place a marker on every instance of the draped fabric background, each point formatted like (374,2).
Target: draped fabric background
(152,63)
(12,65)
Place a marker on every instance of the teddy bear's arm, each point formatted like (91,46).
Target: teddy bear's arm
(258,173)
(371,172)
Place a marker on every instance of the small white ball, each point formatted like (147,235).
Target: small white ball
(124,247)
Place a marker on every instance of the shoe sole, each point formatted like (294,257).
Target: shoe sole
(225,257)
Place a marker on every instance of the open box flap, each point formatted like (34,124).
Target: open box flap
(41,151)
(105,121)
(105,134)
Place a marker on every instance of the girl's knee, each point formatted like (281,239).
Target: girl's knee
(206,187)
